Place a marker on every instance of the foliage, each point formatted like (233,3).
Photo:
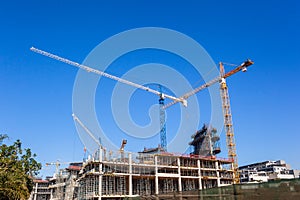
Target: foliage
(17,167)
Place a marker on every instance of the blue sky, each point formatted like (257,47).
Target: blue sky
(36,92)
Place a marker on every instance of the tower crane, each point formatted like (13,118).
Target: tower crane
(162,120)
(183,99)
(230,142)
(161,95)
(57,164)
(124,142)
(75,118)
(98,142)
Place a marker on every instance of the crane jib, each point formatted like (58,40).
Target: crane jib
(101,73)
(245,64)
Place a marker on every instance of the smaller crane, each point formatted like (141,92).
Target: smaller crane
(86,130)
(124,142)
(98,142)
(57,164)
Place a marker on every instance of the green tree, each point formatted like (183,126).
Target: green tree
(17,167)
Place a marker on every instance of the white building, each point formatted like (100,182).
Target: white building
(253,176)
(265,171)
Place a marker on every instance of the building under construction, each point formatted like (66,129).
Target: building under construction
(123,174)
(152,172)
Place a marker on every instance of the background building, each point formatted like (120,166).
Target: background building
(41,190)
(267,170)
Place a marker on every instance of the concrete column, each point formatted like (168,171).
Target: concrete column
(100,154)
(233,174)
(218,174)
(100,174)
(156,175)
(35,191)
(179,177)
(199,174)
(51,193)
(130,174)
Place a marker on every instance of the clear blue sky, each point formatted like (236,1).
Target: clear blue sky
(36,92)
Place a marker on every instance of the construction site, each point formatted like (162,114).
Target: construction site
(117,175)
(152,172)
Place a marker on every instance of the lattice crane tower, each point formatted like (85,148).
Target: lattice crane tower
(228,125)
(230,142)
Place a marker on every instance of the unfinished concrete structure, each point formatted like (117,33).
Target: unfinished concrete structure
(64,185)
(123,174)
(40,190)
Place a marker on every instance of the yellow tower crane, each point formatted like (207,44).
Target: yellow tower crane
(228,125)
(230,142)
